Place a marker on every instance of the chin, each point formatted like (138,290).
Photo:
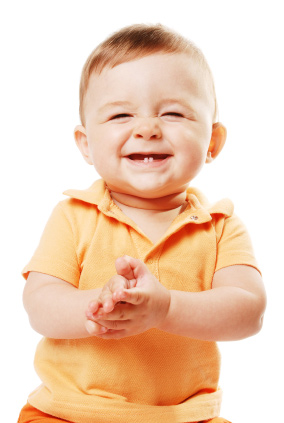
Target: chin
(148,189)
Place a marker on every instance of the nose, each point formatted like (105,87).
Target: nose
(147,128)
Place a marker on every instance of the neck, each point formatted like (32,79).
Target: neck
(168,202)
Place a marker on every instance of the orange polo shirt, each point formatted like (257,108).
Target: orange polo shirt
(154,376)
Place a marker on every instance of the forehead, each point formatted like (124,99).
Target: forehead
(157,74)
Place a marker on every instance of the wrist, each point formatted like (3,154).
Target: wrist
(164,322)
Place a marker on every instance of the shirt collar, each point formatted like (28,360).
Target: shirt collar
(92,195)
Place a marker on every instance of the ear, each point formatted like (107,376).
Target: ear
(82,142)
(218,139)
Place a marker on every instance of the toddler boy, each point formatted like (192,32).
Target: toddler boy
(137,277)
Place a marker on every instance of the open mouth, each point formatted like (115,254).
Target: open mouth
(145,158)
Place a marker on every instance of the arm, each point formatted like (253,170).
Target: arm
(233,309)
(56,308)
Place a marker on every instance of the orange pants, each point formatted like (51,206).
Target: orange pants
(29,414)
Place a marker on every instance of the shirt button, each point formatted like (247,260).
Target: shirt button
(194,217)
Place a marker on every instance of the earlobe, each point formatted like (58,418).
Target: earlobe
(218,139)
(82,142)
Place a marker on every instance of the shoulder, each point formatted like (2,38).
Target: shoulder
(74,207)
(220,213)
(83,203)
(234,246)
(198,200)
(77,217)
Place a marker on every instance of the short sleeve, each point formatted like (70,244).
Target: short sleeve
(56,252)
(234,245)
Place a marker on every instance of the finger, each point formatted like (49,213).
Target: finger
(108,304)
(117,283)
(132,269)
(119,296)
(139,269)
(120,312)
(93,328)
(124,269)
(114,324)
(93,307)
(134,296)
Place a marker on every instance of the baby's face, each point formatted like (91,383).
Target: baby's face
(148,125)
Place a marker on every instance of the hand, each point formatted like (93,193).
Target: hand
(109,295)
(131,302)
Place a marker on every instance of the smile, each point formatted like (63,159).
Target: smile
(148,161)
(146,158)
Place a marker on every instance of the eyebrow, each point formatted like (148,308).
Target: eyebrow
(181,101)
(163,102)
(113,104)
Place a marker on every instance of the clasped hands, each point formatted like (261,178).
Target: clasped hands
(130,303)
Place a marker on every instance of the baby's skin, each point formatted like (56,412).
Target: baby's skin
(130,303)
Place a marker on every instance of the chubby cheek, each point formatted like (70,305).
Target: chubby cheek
(192,164)
(105,158)
(100,163)
(111,140)
(194,149)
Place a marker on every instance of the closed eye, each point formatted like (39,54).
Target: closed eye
(120,116)
(173,114)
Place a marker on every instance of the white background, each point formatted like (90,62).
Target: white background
(43,47)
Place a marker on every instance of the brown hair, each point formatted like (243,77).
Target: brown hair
(137,41)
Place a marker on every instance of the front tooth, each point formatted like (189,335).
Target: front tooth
(146,159)
(151,159)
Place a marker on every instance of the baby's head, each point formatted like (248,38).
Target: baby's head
(135,42)
(148,111)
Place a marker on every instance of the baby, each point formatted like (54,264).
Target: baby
(137,277)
